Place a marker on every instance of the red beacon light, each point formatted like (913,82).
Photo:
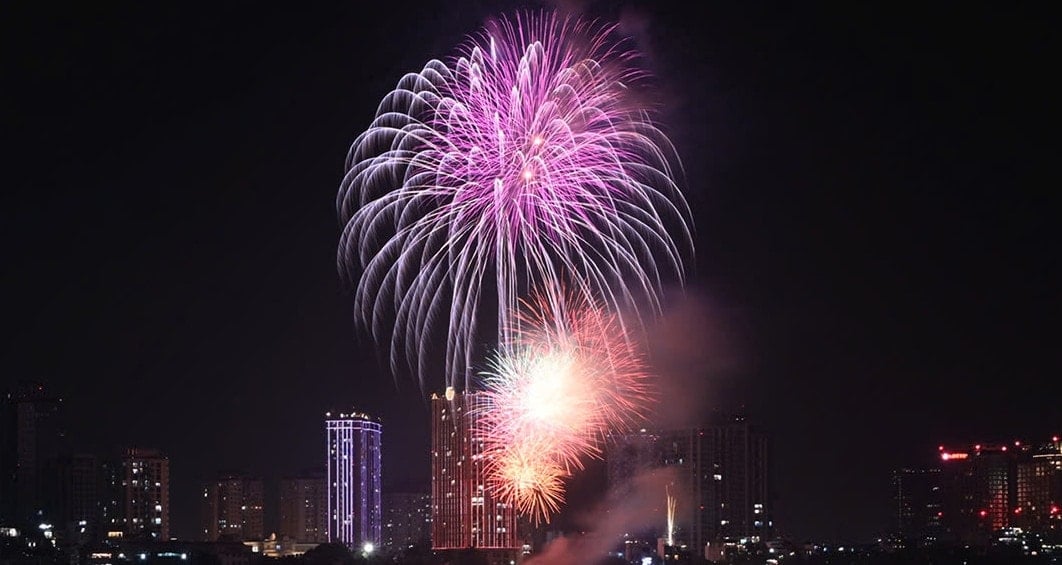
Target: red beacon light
(983,513)
(1054,438)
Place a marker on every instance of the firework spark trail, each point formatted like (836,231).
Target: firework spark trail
(553,395)
(672,505)
(522,163)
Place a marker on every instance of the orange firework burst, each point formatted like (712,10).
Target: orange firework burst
(571,376)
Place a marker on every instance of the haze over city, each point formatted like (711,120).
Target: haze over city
(871,274)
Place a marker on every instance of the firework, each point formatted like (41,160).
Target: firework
(553,394)
(523,162)
(672,505)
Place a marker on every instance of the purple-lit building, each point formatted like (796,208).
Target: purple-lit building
(354,517)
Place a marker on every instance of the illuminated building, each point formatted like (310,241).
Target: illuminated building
(723,468)
(407,520)
(353,477)
(988,487)
(304,508)
(1038,486)
(232,509)
(463,512)
(141,508)
(976,491)
(916,499)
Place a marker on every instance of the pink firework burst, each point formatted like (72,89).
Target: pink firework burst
(522,162)
(554,393)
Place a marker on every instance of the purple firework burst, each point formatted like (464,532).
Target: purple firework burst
(525,162)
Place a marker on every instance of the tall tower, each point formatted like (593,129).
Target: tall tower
(304,507)
(28,437)
(233,509)
(353,479)
(142,508)
(463,512)
(916,502)
(723,468)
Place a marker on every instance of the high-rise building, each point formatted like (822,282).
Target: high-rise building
(353,479)
(73,496)
(8,459)
(916,499)
(140,486)
(407,520)
(722,468)
(464,513)
(977,491)
(29,436)
(987,487)
(1038,489)
(232,509)
(630,455)
(304,507)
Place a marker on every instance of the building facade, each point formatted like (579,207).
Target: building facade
(73,497)
(464,514)
(353,475)
(989,487)
(722,471)
(29,437)
(140,486)
(304,507)
(917,500)
(232,509)
(407,520)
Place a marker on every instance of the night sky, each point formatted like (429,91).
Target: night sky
(877,266)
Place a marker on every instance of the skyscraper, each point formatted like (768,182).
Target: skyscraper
(407,520)
(464,512)
(141,486)
(28,438)
(722,468)
(232,509)
(1038,490)
(73,496)
(987,487)
(916,499)
(976,490)
(353,479)
(304,507)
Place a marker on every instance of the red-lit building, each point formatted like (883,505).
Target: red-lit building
(988,487)
(1038,504)
(463,512)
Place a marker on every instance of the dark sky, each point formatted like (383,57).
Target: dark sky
(871,189)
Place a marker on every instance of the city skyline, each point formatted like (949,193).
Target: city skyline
(874,273)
